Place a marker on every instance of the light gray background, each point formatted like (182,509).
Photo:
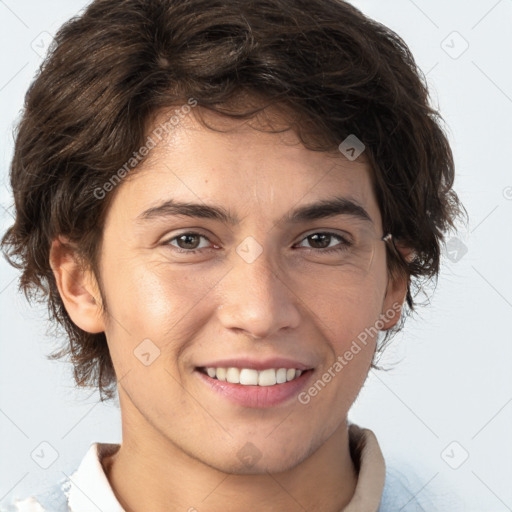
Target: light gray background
(452,381)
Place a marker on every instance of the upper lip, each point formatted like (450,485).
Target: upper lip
(254,364)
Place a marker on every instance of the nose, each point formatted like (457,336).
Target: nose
(257,299)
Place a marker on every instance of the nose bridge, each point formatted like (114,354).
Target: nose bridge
(256,298)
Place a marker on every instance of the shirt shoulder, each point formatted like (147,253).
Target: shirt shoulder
(53,498)
(406,491)
(74,493)
(401,492)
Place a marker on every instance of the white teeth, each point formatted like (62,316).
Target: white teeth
(250,377)
(233,375)
(281,375)
(267,377)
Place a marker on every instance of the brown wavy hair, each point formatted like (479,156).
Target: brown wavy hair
(111,69)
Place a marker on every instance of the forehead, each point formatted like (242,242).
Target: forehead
(241,164)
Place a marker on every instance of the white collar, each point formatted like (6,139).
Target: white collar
(89,485)
(372,472)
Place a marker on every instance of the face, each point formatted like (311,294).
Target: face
(244,286)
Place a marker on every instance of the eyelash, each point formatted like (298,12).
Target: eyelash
(343,245)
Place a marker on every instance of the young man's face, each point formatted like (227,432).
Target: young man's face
(255,291)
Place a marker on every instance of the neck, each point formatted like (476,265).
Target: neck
(150,472)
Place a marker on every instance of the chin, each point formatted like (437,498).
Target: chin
(262,467)
(250,460)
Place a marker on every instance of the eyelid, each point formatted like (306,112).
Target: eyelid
(187,231)
(328,231)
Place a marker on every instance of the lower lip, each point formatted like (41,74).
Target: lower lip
(257,396)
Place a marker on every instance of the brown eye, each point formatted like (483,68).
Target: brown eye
(320,240)
(323,242)
(187,242)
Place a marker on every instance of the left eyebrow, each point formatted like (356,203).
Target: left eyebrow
(325,209)
(319,210)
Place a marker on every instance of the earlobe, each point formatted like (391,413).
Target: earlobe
(393,302)
(396,294)
(77,287)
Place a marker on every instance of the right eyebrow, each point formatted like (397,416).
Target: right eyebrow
(173,208)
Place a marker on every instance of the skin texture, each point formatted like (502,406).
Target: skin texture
(181,441)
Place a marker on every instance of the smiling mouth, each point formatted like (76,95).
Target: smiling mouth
(251,377)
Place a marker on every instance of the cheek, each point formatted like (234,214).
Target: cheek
(351,343)
(346,311)
(148,300)
(349,321)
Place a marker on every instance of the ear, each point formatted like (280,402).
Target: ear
(78,288)
(396,293)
